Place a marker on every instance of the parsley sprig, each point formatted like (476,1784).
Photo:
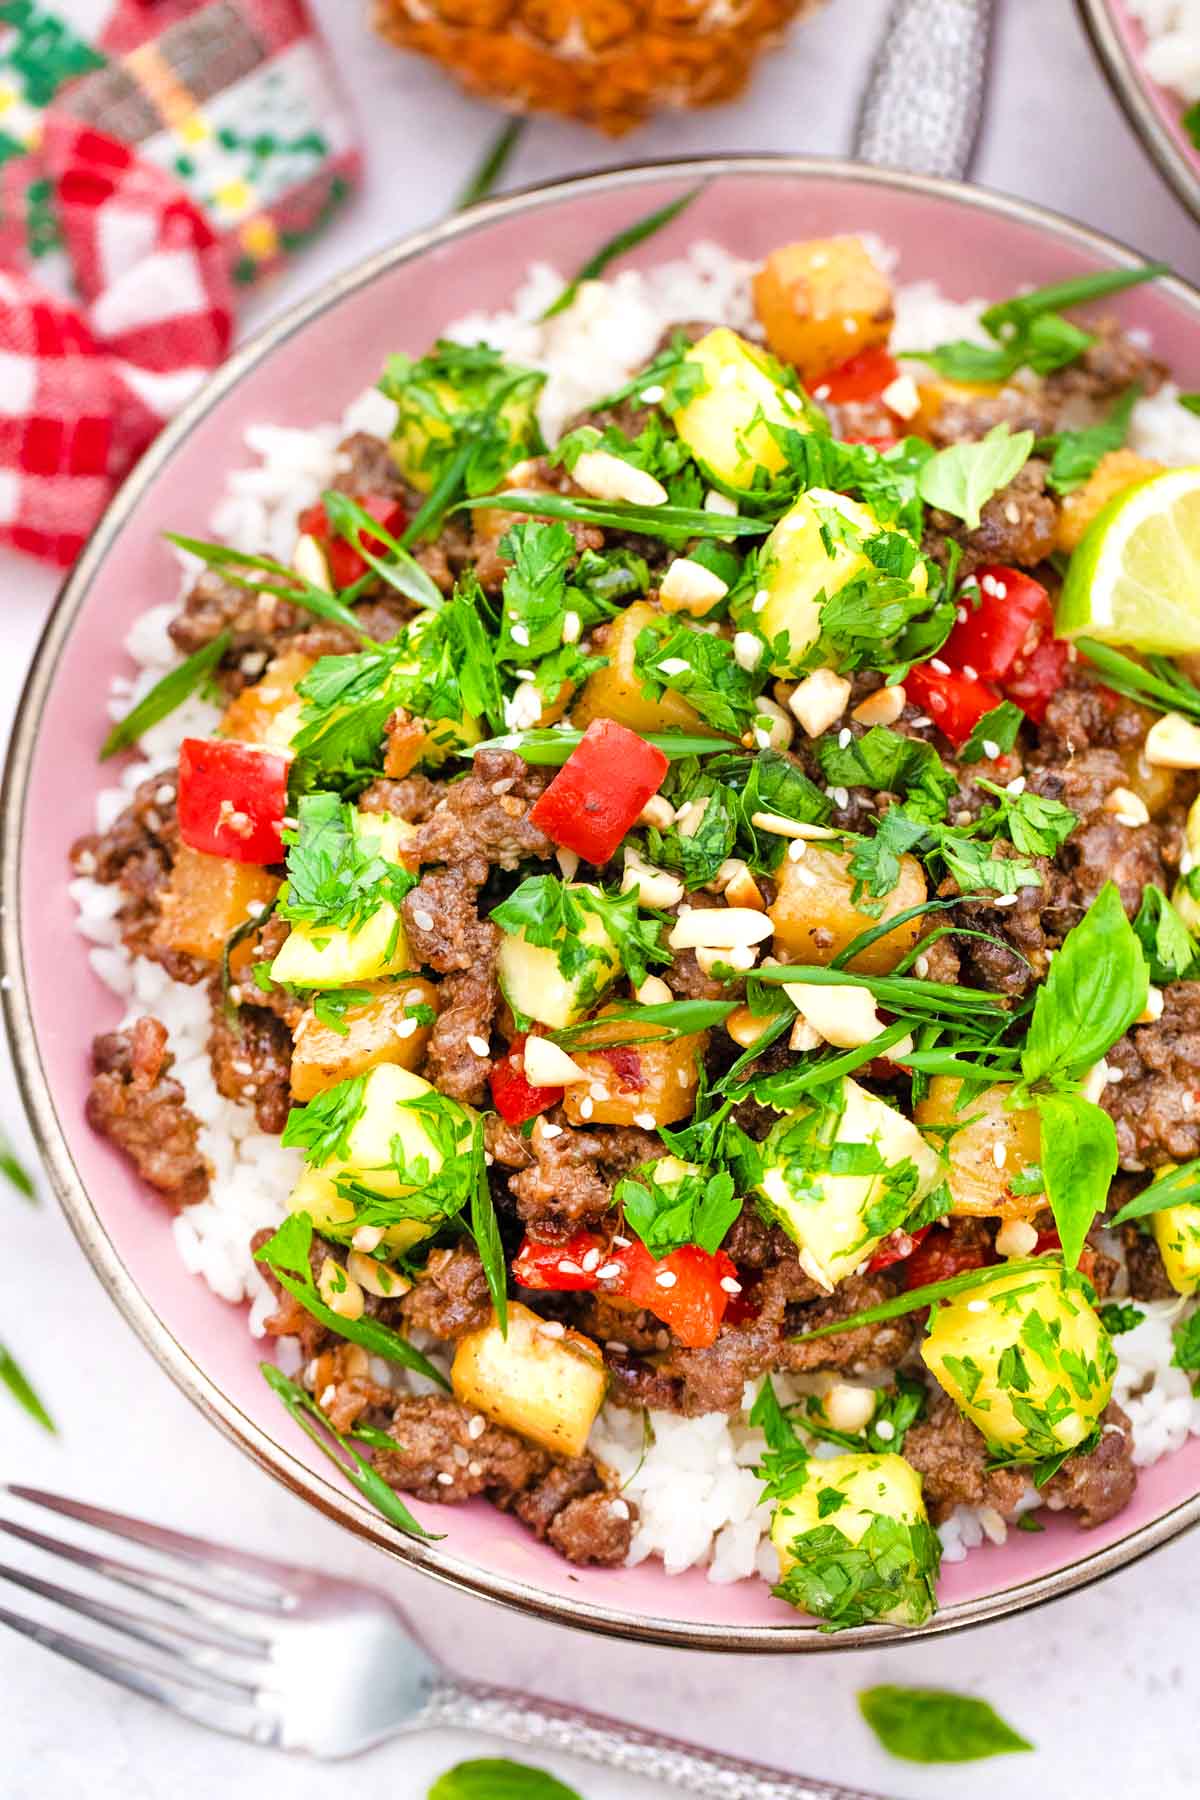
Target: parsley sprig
(336,876)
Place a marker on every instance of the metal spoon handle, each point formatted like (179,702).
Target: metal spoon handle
(545,1725)
(922,105)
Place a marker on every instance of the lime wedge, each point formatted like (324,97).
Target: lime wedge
(1135,576)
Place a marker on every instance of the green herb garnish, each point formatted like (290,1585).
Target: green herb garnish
(495,159)
(627,239)
(176,686)
(22,1390)
(933,1725)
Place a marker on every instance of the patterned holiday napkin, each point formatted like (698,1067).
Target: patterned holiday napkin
(147,174)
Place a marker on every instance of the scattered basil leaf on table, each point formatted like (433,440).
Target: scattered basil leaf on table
(22,1390)
(628,239)
(962,478)
(934,1725)
(498,1778)
(176,686)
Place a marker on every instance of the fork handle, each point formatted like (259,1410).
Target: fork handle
(545,1725)
(922,106)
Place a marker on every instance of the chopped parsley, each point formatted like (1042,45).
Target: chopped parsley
(673,657)
(336,876)
(694,1208)
(547,912)
(1075,455)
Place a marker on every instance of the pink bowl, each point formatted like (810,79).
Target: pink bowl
(1155,113)
(300,371)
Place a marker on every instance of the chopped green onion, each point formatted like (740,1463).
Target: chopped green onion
(492,166)
(918,1297)
(22,1390)
(628,239)
(548,747)
(624,515)
(176,686)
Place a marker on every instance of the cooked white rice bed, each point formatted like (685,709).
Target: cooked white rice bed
(692,1478)
(1172,55)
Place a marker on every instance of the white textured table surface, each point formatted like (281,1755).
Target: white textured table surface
(1100,1681)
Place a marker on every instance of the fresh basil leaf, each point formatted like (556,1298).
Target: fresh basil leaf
(994,735)
(627,239)
(933,1725)
(962,478)
(887,762)
(1079,1160)
(496,1778)
(1170,1187)
(1096,987)
(22,1390)
(304,1409)
(1171,950)
(176,686)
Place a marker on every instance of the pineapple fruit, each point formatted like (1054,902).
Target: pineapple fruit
(608,63)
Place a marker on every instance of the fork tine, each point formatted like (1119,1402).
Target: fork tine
(264,1582)
(196,1602)
(209,1652)
(178,1692)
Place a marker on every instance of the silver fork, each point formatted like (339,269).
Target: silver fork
(286,1657)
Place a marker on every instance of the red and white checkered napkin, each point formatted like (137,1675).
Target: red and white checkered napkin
(143,179)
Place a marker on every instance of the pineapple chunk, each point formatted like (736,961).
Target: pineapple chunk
(797,570)
(206,899)
(822,301)
(816,916)
(1111,476)
(1176,1231)
(269,712)
(386,1116)
(327,956)
(979,1183)
(886,1563)
(380,1030)
(1025,1358)
(653,1081)
(726,425)
(544,1382)
(536,987)
(615,692)
(837,1220)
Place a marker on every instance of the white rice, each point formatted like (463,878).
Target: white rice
(1172,56)
(692,1478)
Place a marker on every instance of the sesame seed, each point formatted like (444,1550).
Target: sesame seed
(961,614)
(460,1456)
(921,721)
(622,1243)
(477,1426)
(970,671)
(938,666)
(478,1044)
(1012,513)
(586,1107)
(552,1131)
(646,1120)
(730,1285)
(475,1469)
(666,1278)
(405,1028)
(445,1480)
(796,849)
(328,1397)
(886,1430)
(567,1267)
(840,796)
(241,1067)
(999,1154)
(620,1509)
(1016,785)
(520,635)
(760,600)
(164,795)
(571,626)
(552,1328)
(822,392)
(591,1261)
(650,396)
(1006,899)
(607,1273)
(599,1092)
(991,748)
(421,919)
(921,967)
(682,1077)
(844,737)
(614,1345)
(977,1306)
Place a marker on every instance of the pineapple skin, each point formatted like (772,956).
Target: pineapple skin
(606,63)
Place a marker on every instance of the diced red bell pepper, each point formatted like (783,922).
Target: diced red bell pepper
(1013,614)
(346,566)
(683,1290)
(232,799)
(517,1099)
(1034,678)
(898,1246)
(954,701)
(559,1268)
(940,1256)
(600,790)
(861,377)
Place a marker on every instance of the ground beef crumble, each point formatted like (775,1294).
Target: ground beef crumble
(136,1103)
